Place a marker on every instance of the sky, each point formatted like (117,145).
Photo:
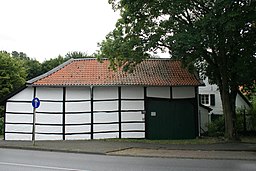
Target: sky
(44,29)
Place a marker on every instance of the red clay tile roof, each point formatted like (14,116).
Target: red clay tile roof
(85,72)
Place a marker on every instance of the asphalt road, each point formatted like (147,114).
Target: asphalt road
(19,160)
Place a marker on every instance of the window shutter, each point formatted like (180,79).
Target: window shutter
(200,99)
(212,96)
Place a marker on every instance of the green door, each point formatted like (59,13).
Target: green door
(170,119)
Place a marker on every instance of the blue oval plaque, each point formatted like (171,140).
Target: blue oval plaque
(36,102)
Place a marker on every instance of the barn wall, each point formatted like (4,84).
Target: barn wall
(132,117)
(117,112)
(183,92)
(49,114)
(19,116)
(83,112)
(158,92)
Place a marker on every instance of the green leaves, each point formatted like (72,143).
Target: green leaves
(218,37)
(12,74)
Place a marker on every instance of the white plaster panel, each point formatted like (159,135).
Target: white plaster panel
(44,93)
(105,117)
(132,92)
(18,128)
(19,118)
(11,136)
(132,126)
(78,93)
(78,118)
(100,93)
(24,95)
(204,118)
(78,106)
(48,129)
(105,106)
(78,129)
(50,107)
(132,105)
(48,137)
(106,135)
(19,107)
(133,135)
(158,92)
(49,118)
(183,92)
(240,103)
(105,127)
(78,137)
(132,116)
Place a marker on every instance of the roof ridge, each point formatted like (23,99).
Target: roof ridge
(149,59)
(83,59)
(50,72)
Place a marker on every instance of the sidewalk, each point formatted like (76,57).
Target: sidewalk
(244,151)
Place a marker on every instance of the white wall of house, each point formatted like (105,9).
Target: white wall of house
(209,89)
(49,116)
(203,119)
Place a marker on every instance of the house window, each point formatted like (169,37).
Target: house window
(207,99)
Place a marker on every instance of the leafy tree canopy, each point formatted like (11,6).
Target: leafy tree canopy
(12,74)
(218,37)
(32,66)
(54,62)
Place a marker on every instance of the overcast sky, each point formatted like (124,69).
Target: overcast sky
(44,29)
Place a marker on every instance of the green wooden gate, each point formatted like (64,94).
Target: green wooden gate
(170,119)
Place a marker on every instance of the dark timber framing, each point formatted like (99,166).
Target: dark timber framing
(34,119)
(197,112)
(64,114)
(145,110)
(119,112)
(171,93)
(91,89)
(4,118)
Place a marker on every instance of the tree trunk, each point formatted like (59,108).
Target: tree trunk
(228,104)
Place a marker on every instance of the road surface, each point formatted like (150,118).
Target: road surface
(19,160)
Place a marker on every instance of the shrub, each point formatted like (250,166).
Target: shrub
(216,127)
(1,125)
(252,112)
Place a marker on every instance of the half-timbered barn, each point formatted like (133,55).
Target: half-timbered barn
(84,99)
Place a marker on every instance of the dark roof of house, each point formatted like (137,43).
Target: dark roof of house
(205,107)
(90,72)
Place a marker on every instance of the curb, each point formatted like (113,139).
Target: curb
(115,153)
(52,150)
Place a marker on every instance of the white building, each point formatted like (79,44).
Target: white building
(83,99)
(210,97)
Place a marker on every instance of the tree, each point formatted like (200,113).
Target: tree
(217,37)
(54,62)
(33,67)
(12,74)
(249,90)
(76,55)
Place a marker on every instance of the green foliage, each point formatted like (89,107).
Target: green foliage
(32,66)
(216,36)
(54,62)
(253,113)
(1,126)
(249,90)
(76,55)
(12,74)
(216,127)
